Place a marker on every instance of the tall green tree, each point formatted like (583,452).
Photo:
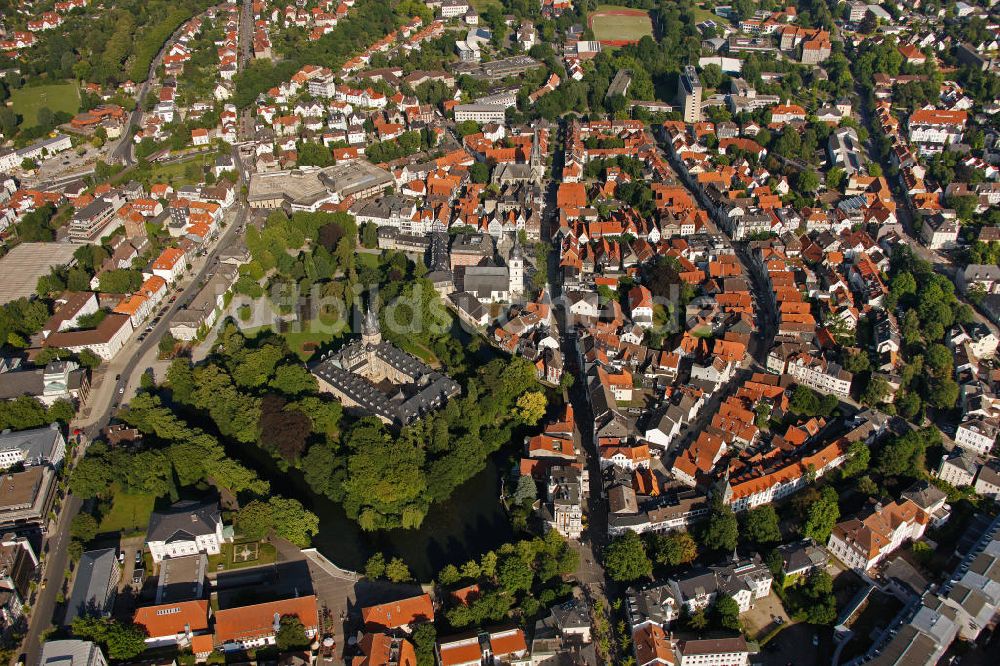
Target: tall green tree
(721,533)
(760,526)
(625,559)
(822,516)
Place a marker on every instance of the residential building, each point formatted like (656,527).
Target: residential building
(977,434)
(821,375)
(689,94)
(713,652)
(170,265)
(106,340)
(202,311)
(93,221)
(72,653)
(987,481)
(984,278)
(802,558)
(186,528)
(862,544)
(250,627)
(933,129)
(924,639)
(173,623)
(939,232)
(502,646)
(378,649)
(652,646)
(96,585)
(403,614)
(959,468)
(975,595)
(565,500)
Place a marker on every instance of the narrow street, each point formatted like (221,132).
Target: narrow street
(765,317)
(590,572)
(124,152)
(904,213)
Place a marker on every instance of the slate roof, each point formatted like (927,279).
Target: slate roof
(184,521)
(93,579)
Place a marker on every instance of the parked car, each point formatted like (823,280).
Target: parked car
(138,576)
(138,557)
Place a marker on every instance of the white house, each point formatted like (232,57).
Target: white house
(713,652)
(170,265)
(186,528)
(977,434)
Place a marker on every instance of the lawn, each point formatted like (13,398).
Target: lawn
(258,553)
(129,513)
(420,351)
(618,25)
(56,96)
(298,340)
(481,5)
(701,15)
(177,174)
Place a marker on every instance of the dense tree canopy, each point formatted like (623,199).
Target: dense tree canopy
(625,559)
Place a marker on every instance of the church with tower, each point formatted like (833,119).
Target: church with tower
(373,377)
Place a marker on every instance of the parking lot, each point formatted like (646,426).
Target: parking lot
(128,590)
(795,645)
(68,163)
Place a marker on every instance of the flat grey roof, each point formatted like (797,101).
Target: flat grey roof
(294,185)
(27,262)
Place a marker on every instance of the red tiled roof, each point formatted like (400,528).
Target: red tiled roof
(257,621)
(399,613)
(172,619)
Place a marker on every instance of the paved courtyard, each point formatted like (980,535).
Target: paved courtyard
(342,594)
(762,618)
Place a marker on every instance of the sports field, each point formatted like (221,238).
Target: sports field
(57,96)
(617,26)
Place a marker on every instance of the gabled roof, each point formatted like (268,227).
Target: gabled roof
(173,619)
(257,621)
(185,520)
(399,613)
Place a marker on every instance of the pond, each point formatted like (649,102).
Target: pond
(469,523)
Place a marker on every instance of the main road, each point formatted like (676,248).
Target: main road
(104,398)
(123,152)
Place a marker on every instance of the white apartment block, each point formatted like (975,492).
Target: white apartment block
(977,434)
(862,544)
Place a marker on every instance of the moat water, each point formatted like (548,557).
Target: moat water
(468,524)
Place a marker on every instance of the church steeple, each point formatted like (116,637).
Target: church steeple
(371,332)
